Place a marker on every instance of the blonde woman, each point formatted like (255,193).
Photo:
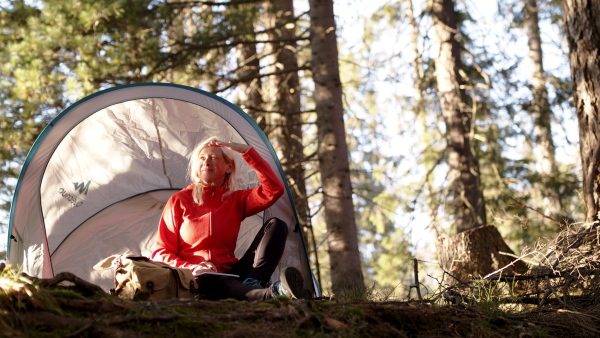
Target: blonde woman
(199,227)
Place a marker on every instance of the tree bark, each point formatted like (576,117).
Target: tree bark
(476,253)
(467,254)
(417,60)
(582,29)
(248,67)
(334,166)
(288,118)
(467,197)
(540,109)
(249,97)
(181,27)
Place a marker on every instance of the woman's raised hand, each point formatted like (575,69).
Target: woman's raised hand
(237,147)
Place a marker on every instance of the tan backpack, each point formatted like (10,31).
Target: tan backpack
(139,278)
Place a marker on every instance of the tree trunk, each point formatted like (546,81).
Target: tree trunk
(540,109)
(287,117)
(582,29)
(467,204)
(334,166)
(181,28)
(249,97)
(476,253)
(473,251)
(248,67)
(417,59)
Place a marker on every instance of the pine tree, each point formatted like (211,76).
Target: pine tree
(346,274)
(582,32)
(465,190)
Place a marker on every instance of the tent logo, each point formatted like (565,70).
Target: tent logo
(69,197)
(82,187)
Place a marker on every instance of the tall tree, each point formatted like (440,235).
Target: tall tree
(417,61)
(465,191)
(287,113)
(248,65)
(582,30)
(342,240)
(540,109)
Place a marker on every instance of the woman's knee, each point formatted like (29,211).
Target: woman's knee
(275,225)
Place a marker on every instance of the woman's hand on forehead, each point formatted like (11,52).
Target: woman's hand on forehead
(237,147)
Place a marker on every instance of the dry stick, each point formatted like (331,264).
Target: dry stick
(586,327)
(309,316)
(67,276)
(416,285)
(554,292)
(81,330)
(547,293)
(91,305)
(511,263)
(567,286)
(579,313)
(578,241)
(524,206)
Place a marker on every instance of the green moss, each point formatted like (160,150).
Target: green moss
(229,300)
(187,311)
(273,301)
(282,299)
(267,305)
(356,317)
(64,293)
(355,312)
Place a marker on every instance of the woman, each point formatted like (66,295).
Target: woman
(199,227)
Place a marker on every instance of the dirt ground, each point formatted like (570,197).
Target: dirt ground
(53,308)
(60,314)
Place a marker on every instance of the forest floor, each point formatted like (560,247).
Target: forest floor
(59,312)
(559,298)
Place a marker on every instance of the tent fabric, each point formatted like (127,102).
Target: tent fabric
(96,180)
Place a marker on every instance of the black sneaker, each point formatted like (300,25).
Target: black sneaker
(291,284)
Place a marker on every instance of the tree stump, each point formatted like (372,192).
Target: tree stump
(476,253)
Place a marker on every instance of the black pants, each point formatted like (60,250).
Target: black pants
(259,262)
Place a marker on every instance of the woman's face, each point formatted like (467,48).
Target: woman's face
(213,167)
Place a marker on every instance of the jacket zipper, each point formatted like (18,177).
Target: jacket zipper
(210,232)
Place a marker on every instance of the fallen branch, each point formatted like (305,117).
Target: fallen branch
(90,305)
(509,265)
(78,282)
(554,291)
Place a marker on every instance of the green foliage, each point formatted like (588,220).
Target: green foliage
(55,52)
(488,297)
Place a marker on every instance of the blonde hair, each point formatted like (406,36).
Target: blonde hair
(194,171)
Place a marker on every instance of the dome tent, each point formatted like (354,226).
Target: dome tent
(97,178)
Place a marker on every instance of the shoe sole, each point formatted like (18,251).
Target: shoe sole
(292,280)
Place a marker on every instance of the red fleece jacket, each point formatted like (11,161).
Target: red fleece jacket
(189,234)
